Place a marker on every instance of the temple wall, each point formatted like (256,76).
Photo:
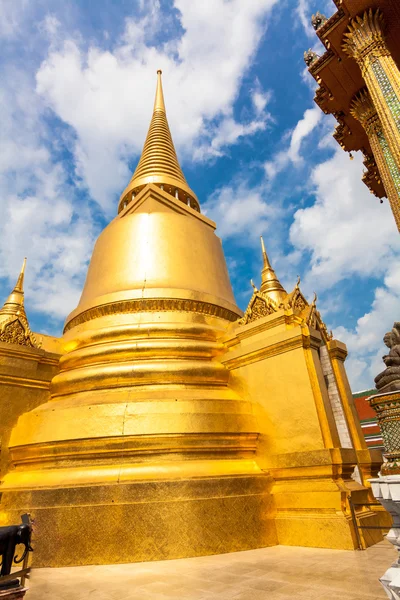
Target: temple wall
(25,375)
(276,363)
(334,397)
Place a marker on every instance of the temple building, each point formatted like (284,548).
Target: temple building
(359,83)
(368,419)
(165,423)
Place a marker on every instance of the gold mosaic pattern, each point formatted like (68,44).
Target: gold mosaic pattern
(147,521)
(14,333)
(387,91)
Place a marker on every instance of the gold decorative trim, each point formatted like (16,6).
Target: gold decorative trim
(263,325)
(336,352)
(15,330)
(37,355)
(143,448)
(321,62)
(300,341)
(152,305)
(24,382)
(363,109)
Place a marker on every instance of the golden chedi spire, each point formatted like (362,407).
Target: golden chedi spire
(14,326)
(270,284)
(159,163)
(14,305)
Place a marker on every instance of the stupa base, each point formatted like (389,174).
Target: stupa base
(146,520)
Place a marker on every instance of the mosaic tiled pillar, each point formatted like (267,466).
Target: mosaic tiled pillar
(363,109)
(365,42)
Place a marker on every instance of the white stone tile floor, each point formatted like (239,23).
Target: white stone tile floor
(277,573)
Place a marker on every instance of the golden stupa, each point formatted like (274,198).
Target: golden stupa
(174,425)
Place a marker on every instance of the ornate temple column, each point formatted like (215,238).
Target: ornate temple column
(365,42)
(363,109)
(386,486)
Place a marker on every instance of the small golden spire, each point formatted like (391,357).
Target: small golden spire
(19,287)
(159,100)
(14,326)
(159,163)
(270,284)
(15,302)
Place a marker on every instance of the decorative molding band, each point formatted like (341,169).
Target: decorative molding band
(337,353)
(144,447)
(299,341)
(24,382)
(152,305)
(255,327)
(34,354)
(321,62)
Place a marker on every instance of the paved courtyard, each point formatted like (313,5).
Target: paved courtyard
(278,573)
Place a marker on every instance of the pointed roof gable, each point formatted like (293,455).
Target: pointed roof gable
(14,326)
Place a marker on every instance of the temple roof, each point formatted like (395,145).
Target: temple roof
(14,326)
(339,76)
(270,284)
(159,163)
(14,305)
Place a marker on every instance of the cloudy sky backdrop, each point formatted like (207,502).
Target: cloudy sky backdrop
(77,82)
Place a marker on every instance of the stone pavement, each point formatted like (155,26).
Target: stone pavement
(277,573)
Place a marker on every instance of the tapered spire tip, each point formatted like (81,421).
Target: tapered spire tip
(19,287)
(159,103)
(270,284)
(264,253)
(158,164)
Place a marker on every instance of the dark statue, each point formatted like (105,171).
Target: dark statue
(389,379)
(10,537)
(318,20)
(310,57)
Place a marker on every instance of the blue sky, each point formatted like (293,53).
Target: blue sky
(77,84)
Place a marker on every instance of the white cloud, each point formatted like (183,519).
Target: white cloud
(347,233)
(106,97)
(291,154)
(303,13)
(10,17)
(241,211)
(227,133)
(50,26)
(364,342)
(260,99)
(36,203)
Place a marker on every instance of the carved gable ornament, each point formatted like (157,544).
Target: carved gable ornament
(15,330)
(259,306)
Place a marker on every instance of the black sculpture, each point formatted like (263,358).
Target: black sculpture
(10,537)
(310,57)
(318,20)
(389,379)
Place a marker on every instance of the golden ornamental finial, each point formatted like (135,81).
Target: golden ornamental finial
(365,32)
(159,103)
(314,302)
(14,326)
(19,286)
(264,253)
(253,285)
(159,163)
(270,284)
